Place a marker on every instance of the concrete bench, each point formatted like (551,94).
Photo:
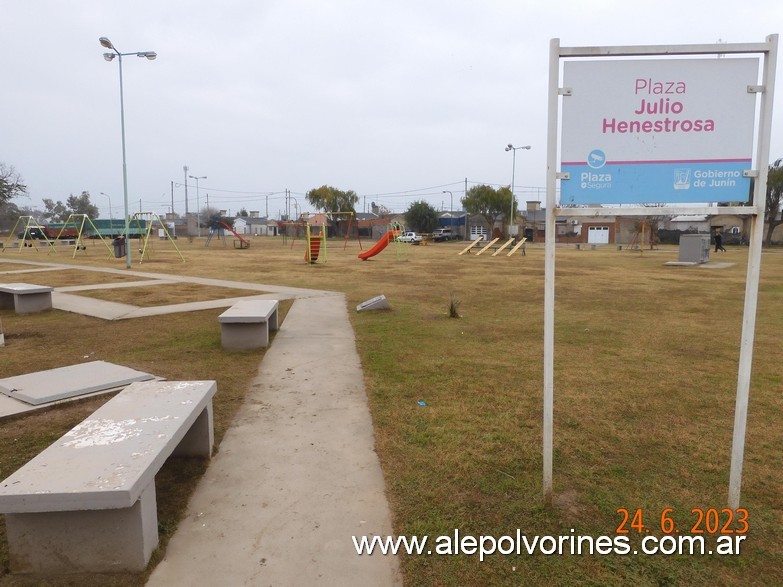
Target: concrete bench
(25,298)
(246,324)
(87,502)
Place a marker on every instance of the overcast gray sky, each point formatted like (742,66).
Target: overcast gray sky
(396,100)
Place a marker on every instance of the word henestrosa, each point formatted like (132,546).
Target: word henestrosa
(658,99)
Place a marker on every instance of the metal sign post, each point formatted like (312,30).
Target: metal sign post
(662,128)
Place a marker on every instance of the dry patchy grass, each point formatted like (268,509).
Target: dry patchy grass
(166,293)
(645,379)
(65,277)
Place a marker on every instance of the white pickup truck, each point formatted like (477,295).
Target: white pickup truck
(409,237)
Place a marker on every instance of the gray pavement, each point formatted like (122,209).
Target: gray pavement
(296,475)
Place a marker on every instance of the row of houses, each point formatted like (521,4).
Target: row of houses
(529,223)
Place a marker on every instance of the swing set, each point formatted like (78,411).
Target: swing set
(72,231)
(304,223)
(144,222)
(638,239)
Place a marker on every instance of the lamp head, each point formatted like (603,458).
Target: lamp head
(105,42)
(151,55)
(109,56)
(509,147)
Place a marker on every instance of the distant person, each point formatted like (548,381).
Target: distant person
(719,242)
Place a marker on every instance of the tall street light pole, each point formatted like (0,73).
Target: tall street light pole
(514,149)
(198,210)
(111,216)
(109,57)
(451,204)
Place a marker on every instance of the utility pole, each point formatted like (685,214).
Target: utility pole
(172,198)
(465,236)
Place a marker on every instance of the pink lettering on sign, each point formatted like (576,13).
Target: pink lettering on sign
(666,125)
(649,86)
(661,106)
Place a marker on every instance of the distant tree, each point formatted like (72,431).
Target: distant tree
(81,205)
(774,214)
(209,216)
(54,211)
(331,200)
(243,213)
(421,217)
(489,203)
(11,184)
(9,215)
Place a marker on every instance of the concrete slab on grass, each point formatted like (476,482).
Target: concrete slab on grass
(43,387)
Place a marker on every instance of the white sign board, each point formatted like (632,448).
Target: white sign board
(657,131)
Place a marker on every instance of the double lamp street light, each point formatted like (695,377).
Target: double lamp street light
(106,43)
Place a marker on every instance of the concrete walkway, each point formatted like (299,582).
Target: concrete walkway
(296,475)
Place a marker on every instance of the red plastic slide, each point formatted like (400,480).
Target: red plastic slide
(379,246)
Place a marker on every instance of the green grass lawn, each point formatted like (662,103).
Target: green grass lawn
(645,383)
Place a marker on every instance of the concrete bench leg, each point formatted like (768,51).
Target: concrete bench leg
(32,302)
(84,541)
(198,441)
(236,336)
(6,300)
(273,321)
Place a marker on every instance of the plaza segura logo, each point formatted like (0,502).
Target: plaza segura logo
(593,180)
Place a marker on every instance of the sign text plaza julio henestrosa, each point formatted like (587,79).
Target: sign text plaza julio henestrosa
(658,130)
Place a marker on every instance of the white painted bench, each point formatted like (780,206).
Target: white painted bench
(25,298)
(246,324)
(87,502)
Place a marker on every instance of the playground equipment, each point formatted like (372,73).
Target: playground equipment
(351,224)
(498,249)
(71,232)
(382,243)
(304,222)
(79,245)
(484,249)
(637,240)
(471,245)
(30,235)
(393,231)
(150,218)
(315,244)
(218,226)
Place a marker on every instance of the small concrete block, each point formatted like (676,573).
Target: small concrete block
(25,298)
(376,303)
(245,325)
(235,336)
(251,311)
